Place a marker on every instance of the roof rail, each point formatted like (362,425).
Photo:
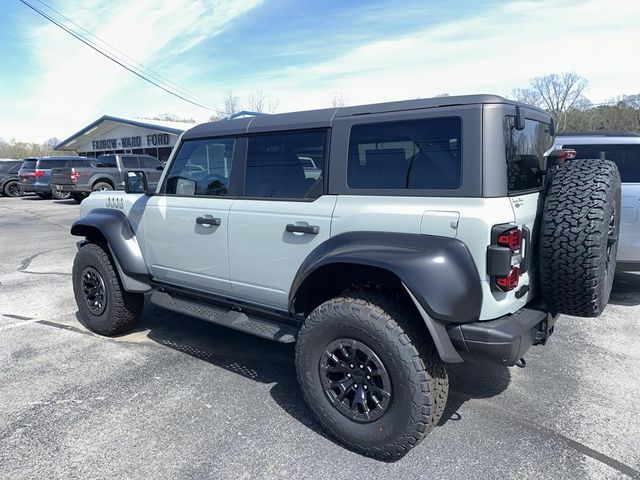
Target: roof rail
(245,113)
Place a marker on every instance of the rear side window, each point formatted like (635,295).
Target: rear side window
(525,151)
(409,154)
(130,162)
(78,163)
(149,162)
(107,161)
(29,164)
(626,157)
(48,163)
(201,167)
(285,165)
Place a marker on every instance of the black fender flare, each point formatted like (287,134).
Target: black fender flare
(116,230)
(439,274)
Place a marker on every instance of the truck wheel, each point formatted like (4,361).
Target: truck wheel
(12,189)
(373,384)
(58,195)
(579,237)
(78,197)
(101,187)
(44,195)
(104,306)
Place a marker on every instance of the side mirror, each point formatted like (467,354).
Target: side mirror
(135,181)
(520,120)
(552,127)
(160,167)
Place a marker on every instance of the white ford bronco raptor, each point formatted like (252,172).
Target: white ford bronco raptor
(386,240)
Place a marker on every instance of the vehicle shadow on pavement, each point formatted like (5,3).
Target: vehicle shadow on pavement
(626,289)
(470,381)
(271,362)
(66,202)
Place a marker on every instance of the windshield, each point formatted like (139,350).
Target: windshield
(29,164)
(626,157)
(525,151)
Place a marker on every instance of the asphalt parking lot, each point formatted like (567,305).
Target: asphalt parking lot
(181,398)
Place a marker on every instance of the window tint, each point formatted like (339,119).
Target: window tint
(525,151)
(285,165)
(130,162)
(107,161)
(78,163)
(29,164)
(49,163)
(10,167)
(420,154)
(626,157)
(149,162)
(201,167)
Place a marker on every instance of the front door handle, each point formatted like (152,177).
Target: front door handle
(208,221)
(310,229)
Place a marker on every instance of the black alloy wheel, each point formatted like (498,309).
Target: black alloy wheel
(94,291)
(355,380)
(13,189)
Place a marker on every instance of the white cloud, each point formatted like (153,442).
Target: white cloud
(78,85)
(490,53)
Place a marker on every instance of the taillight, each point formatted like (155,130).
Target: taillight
(512,239)
(504,257)
(510,281)
(39,173)
(74,176)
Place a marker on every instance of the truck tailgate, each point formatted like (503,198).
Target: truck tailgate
(61,176)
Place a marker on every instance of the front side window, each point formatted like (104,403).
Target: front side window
(525,151)
(285,165)
(409,154)
(201,167)
(149,162)
(626,157)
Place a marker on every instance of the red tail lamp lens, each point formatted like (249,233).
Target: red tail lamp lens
(74,176)
(512,239)
(39,173)
(510,281)
(568,153)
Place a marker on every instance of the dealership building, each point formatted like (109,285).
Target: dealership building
(111,134)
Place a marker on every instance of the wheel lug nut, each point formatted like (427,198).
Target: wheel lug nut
(351,365)
(368,377)
(361,367)
(355,385)
(365,387)
(348,375)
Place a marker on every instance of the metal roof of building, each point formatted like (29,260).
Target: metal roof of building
(107,122)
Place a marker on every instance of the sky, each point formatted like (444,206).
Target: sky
(300,53)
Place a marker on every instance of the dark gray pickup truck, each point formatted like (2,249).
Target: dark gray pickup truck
(104,173)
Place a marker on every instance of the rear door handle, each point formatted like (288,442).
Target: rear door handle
(208,221)
(310,229)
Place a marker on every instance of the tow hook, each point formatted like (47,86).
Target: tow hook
(521,363)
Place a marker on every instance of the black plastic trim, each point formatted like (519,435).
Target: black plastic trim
(438,271)
(504,340)
(115,228)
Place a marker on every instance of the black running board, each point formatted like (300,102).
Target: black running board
(259,327)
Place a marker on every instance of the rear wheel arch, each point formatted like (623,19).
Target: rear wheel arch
(97,180)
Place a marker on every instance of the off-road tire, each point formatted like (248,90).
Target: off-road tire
(101,186)
(7,191)
(78,197)
(417,374)
(579,237)
(44,195)
(122,308)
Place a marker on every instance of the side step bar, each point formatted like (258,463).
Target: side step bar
(259,327)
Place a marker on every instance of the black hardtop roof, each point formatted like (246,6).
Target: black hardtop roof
(323,118)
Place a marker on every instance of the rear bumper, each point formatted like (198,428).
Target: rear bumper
(504,340)
(35,188)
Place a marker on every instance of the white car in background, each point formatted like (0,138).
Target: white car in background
(623,149)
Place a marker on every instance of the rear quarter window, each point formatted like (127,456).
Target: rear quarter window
(525,151)
(406,154)
(29,164)
(626,157)
(48,163)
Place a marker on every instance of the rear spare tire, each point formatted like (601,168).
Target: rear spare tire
(579,237)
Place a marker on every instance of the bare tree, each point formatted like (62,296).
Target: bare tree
(231,104)
(258,101)
(338,100)
(528,96)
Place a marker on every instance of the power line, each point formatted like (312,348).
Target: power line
(115,60)
(138,65)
